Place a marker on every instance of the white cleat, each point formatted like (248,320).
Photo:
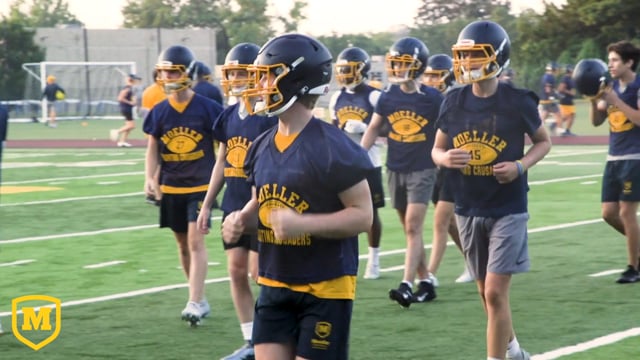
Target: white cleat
(192,313)
(205,308)
(522,356)
(372,272)
(465,277)
(124,144)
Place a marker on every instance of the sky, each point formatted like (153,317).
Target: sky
(324,17)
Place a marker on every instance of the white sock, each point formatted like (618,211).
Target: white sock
(374,255)
(492,358)
(513,349)
(247,330)
(408,284)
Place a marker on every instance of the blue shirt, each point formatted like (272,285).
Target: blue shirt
(307,177)
(185,142)
(624,135)
(493,130)
(411,121)
(238,134)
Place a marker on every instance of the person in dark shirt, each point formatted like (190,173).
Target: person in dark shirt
(52,92)
(481,138)
(310,200)
(203,85)
(126,101)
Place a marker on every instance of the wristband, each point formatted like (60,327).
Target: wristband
(520,167)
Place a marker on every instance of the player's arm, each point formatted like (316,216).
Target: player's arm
(372,132)
(612,98)
(450,158)
(356,217)
(215,185)
(151,164)
(597,111)
(243,221)
(540,148)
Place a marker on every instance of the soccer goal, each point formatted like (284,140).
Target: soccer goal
(91,89)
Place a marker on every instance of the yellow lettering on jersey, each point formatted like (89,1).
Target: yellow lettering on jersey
(179,132)
(275,191)
(351,113)
(407,127)
(484,149)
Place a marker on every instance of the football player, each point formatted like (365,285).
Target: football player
(409,110)
(203,85)
(619,103)
(180,142)
(482,140)
(236,131)
(310,201)
(439,75)
(351,109)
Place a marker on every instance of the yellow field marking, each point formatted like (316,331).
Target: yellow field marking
(24,189)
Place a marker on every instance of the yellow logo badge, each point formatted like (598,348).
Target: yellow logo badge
(36,321)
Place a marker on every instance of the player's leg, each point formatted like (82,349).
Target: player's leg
(238,266)
(508,255)
(275,325)
(419,189)
(372,270)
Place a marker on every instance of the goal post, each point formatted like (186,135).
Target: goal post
(91,88)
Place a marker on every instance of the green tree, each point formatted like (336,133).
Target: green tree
(444,11)
(42,13)
(235,21)
(16,47)
(150,14)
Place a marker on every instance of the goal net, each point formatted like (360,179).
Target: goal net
(91,89)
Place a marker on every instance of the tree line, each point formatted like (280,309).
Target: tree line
(561,33)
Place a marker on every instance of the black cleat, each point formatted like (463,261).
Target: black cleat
(629,276)
(426,292)
(402,295)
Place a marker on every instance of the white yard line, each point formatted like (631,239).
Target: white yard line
(72,178)
(607,273)
(588,345)
(80,198)
(104,264)
(17,262)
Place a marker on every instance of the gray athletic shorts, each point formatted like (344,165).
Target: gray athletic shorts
(413,187)
(494,245)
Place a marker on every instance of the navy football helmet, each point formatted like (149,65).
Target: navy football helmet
(481,52)
(406,60)
(352,67)
(176,58)
(287,67)
(203,71)
(591,77)
(439,72)
(236,61)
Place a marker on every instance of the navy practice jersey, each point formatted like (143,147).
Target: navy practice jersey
(411,121)
(624,135)
(307,177)
(208,90)
(492,129)
(238,134)
(354,105)
(186,143)
(569,84)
